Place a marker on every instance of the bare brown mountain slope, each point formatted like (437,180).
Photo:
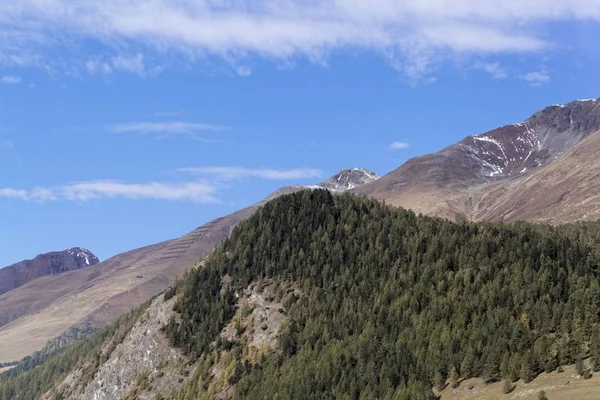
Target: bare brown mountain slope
(52,263)
(449,183)
(566,190)
(46,307)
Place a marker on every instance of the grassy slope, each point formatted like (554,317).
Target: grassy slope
(566,385)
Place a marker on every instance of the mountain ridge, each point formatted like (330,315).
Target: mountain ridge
(364,301)
(51,263)
(32,315)
(444,183)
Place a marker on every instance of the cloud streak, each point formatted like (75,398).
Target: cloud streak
(197,192)
(398,146)
(537,78)
(10,80)
(493,69)
(226,173)
(413,34)
(166,128)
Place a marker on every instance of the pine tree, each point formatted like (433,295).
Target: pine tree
(528,368)
(466,367)
(595,347)
(454,378)
(491,368)
(579,366)
(438,381)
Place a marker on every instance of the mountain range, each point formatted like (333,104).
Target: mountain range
(96,296)
(542,169)
(335,296)
(507,173)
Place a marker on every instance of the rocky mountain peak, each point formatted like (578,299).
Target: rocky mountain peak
(514,149)
(349,179)
(52,263)
(83,256)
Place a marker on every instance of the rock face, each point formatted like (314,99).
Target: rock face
(448,182)
(349,179)
(52,263)
(566,190)
(143,362)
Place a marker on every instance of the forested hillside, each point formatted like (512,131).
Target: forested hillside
(386,304)
(394,304)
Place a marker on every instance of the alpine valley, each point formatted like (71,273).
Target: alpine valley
(468,272)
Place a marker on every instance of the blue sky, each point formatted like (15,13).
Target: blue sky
(122,124)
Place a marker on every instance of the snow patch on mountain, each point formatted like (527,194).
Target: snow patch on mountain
(349,179)
(84,255)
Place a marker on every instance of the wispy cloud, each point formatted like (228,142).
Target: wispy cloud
(537,78)
(10,80)
(133,64)
(198,192)
(98,67)
(7,144)
(167,128)
(14,193)
(398,146)
(236,173)
(415,35)
(493,69)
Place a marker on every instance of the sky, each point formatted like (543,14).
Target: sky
(124,123)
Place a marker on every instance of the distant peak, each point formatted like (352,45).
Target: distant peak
(84,255)
(348,179)
(571,104)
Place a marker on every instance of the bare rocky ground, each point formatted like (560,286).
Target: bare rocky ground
(253,332)
(260,316)
(145,365)
(142,366)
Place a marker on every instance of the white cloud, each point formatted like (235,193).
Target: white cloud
(98,67)
(10,80)
(134,64)
(172,127)
(198,192)
(399,146)
(416,35)
(13,193)
(236,173)
(493,69)
(537,78)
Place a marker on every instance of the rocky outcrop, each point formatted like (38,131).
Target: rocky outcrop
(143,365)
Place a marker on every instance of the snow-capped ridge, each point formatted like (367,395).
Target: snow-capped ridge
(84,254)
(349,179)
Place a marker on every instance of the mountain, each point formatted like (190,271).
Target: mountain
(349,179)
(53,263)
(450,183)
(32,314)
(566,190)
(540,170)
(321,296)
